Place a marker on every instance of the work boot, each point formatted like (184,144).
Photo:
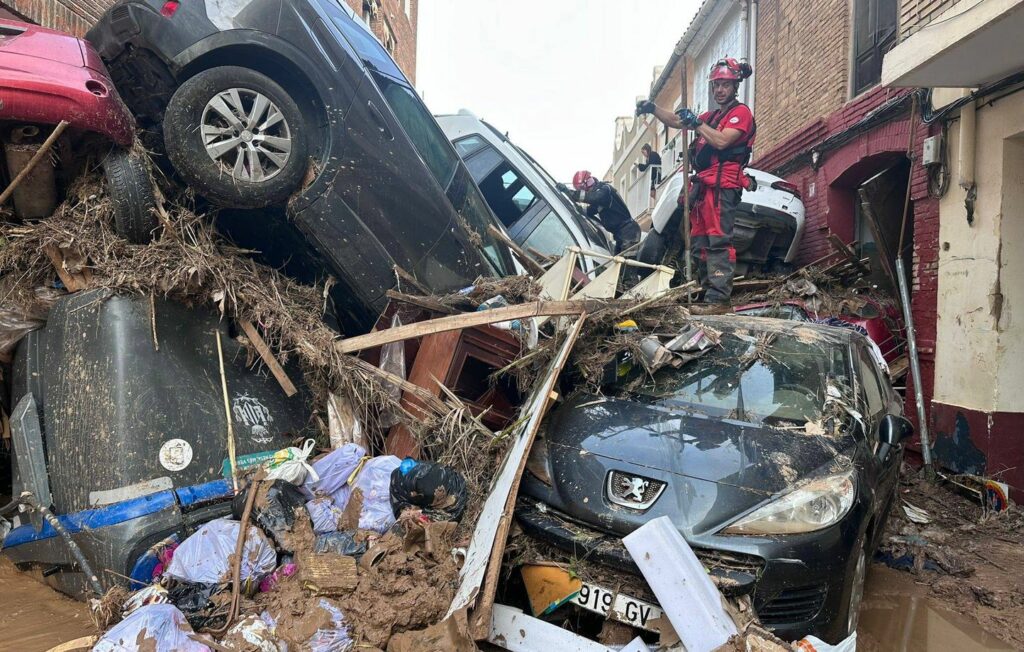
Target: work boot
(710,309)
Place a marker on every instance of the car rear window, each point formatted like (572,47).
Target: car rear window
(373,54)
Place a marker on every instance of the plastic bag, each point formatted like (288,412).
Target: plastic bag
(16,324)
(152,627)
(276,515)
(330,638)
(374,479)
(812,644)
(205,556)
(438,490)
(325,515)
(270,582)
(152,594)
(343,426)
(333,471)
(392,360)
(289,464)
(341,543)
(253,633)
(195,601)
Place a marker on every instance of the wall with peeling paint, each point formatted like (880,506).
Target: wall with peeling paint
(979,344)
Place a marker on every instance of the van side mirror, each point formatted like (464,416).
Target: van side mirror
(894,430)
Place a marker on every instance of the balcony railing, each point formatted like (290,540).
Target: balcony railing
(638,195)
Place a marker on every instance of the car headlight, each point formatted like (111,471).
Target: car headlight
(814,506)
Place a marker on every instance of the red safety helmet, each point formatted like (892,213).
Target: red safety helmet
(583,180)
(731,69)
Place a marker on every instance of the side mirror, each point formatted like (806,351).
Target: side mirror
(894,430)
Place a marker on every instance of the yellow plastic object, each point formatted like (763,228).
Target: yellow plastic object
(627,325)
(548,587)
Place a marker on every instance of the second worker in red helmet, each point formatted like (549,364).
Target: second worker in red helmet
(718,155)
(604,203)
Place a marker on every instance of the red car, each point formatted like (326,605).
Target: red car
(46,77)
(882,324)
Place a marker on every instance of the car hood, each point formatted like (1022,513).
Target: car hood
(714,469)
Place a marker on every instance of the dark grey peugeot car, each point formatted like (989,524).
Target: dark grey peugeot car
(262,102)
(775,452)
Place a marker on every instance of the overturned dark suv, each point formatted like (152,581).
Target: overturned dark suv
(264,103)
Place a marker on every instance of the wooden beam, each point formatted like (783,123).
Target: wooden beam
(32,162)
(268,358)
(532,265)
(464,320)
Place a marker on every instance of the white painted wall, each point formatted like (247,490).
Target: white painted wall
(726,40)
(980,343)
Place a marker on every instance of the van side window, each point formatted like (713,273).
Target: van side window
(506,191)
(550,237)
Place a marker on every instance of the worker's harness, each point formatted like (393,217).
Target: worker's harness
(701,159)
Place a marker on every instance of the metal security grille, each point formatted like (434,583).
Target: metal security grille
(633,491)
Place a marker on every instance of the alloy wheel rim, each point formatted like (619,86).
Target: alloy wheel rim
(856,593)
(246,135)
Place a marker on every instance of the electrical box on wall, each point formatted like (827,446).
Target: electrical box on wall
(931,150)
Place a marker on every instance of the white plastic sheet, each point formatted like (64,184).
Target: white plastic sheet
(153,627)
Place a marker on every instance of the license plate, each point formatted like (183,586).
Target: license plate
(620,607)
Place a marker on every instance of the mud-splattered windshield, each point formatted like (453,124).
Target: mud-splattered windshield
(755,377)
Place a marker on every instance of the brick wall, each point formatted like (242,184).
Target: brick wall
(916,13)
(802,62)
(399,19)
(73,16)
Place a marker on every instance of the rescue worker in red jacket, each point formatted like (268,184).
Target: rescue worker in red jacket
(718,155)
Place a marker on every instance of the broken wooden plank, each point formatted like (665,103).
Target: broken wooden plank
(66,277)
(426,303)
(34,161)
(464,320)
(531,265)
(841,246)
(268,358)
(411,280)
(480,573)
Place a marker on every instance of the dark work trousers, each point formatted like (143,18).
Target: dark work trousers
(627,236)
(711,225)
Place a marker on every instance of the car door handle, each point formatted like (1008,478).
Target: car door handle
(378,117)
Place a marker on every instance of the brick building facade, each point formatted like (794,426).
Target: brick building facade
(393,21)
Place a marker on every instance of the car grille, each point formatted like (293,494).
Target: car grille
(793,606)
(734,561)
(633,491)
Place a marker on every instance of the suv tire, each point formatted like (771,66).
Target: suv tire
(131,193)
(236,137)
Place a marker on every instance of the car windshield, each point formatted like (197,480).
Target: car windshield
(755,377)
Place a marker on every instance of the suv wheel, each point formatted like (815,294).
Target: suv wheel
(237,137)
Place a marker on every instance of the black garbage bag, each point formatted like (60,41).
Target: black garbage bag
(438,490)
(195,600)
(342,543)
(276,514)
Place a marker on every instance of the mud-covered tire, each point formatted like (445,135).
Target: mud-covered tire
(196,129)
(131,194)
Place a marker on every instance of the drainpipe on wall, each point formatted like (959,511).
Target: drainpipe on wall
(968,131)
(752,53)
(745,43)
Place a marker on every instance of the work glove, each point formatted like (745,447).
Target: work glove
(689,118)
(561,187)
(644,107)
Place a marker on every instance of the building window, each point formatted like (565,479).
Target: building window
(874,34)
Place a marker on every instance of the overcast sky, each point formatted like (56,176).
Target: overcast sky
(554,74)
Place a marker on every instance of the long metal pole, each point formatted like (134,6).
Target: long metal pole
(915,365)
(685,141)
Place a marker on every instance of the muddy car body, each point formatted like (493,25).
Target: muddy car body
(299,104)
(128,444)
(777,463)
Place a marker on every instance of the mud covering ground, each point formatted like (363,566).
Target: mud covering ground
(35,617)
(967,565)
